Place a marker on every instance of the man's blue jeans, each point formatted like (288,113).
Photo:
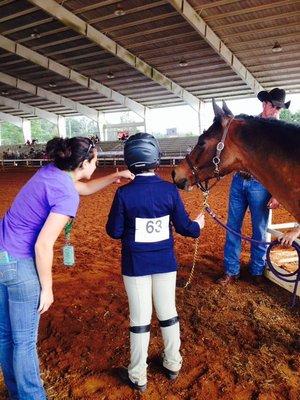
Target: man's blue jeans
(243,194)
(19,319)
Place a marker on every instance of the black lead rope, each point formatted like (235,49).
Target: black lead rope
(290,277)
(293,277)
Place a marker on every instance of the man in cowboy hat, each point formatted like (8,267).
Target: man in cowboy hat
(246,192)
(274,97)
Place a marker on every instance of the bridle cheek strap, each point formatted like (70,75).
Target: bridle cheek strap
(220,147)
(216,161)
(195,171)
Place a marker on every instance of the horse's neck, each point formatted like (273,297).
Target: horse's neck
(280,176)
(251,158)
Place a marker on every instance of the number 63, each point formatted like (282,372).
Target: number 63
(152,226)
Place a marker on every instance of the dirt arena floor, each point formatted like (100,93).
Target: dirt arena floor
(238,343)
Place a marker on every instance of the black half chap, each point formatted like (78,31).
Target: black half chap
(146,328)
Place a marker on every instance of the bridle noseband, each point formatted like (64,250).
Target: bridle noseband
(216,161)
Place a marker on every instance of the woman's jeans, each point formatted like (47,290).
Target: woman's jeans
(19,319)
(141,291)
(246,193)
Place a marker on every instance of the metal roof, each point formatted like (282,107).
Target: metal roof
(114,55)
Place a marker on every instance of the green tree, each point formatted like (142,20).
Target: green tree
(81,126)
(43,130)
(11,134)
(288,116)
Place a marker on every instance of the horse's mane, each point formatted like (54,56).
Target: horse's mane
(277,123)
(271,136)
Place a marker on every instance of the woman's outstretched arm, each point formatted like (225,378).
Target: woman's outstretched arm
(90,187)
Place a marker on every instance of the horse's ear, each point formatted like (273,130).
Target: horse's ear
(217,110)
(226,109)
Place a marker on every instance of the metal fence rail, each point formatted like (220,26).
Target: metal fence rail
(102,161)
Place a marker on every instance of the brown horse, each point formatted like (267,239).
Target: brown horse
(268,149)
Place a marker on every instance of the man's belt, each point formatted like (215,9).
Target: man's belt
(245,175)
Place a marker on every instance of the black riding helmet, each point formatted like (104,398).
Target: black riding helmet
(141,152)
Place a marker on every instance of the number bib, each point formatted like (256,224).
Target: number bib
(149,230)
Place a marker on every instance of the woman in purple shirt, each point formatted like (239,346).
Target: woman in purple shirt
(28,232)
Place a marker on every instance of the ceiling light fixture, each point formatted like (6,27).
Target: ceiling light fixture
(110,75)
(183,62)
(119,11)
(35,34)
(52,84)
(276,48)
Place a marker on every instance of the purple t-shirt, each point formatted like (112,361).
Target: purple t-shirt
(49,190)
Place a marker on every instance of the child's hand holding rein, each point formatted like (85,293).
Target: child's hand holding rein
(200,219)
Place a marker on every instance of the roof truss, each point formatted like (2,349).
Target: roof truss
(70,19)
(47,63)
(48,95)
(12,119)
(198,23)
(34,111)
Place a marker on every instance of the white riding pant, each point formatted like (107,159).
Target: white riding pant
(140,291)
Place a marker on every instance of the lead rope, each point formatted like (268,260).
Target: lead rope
(293,277)
(205,204)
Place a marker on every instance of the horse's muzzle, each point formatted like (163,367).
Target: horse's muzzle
(180,183)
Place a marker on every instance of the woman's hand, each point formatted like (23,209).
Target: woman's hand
(125,174)
(200,220)
(46,299)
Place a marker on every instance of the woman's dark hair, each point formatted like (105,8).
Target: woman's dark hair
(68,154)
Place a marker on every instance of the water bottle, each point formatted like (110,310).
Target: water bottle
(69,255)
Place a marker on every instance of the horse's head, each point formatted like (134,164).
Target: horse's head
(199,164)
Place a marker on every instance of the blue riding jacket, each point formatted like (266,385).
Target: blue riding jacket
(144,208)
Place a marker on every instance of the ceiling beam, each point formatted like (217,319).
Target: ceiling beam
(204,30)
(12,119)
(68,73)
(249,21)
(18,14)
(80,10)
(79,25)
(248,10)
(212,4)
(50,96)
(257,33)
(34,111)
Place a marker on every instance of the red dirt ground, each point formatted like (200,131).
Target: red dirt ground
(238,343)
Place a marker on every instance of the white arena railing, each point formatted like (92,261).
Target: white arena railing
(102,161)
(286,257)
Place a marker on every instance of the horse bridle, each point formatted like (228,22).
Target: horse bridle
(216,161)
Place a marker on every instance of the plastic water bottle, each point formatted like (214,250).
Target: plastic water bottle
(69,255)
